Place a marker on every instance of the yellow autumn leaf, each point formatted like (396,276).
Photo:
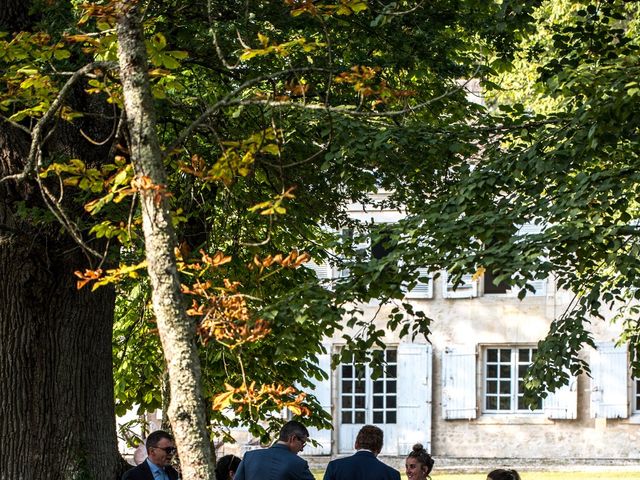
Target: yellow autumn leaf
(479,272)
(295,409)
(264,40)
(222,401)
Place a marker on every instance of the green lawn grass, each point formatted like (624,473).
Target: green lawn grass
(532,476)
(550,476)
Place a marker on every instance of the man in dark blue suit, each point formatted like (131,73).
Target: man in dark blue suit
(281,461)
(160,450)
(363,465)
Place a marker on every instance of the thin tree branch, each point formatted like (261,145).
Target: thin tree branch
(230,100)
(36,135)
(16,125)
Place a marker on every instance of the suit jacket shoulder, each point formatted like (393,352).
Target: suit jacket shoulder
(143,472)
(140,472)
(363,465)
(275,463)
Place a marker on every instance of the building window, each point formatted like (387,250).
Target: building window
(636,396)
(504,371)
(364,400)
(490,287)
(467,288)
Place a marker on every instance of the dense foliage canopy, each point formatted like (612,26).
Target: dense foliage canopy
(275,115)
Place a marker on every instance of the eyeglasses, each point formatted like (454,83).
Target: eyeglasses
(303,440)
(169,450)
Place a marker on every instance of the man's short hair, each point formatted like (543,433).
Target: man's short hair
(154,438)
(371,438)
(293,428)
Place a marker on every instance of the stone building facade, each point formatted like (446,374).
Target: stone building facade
(460,395)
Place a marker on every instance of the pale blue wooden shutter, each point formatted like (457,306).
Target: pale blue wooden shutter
(459,382)
(609,373)
(563,403)
(540,286)
(530,229)
(414,396)
(467,288)
(322,270)
(421,289)
(322,391)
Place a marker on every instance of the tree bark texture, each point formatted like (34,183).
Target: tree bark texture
(56,401)
(177,332)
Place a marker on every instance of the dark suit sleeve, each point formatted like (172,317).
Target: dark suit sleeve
(303,472)
(131,474)
(240,472)
(328,473)
(172,472)
(395,474)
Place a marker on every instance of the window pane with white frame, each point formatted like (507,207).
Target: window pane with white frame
(364,400)
(504,372)
(636,396)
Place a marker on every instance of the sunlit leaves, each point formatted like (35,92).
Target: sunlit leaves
(266,397)
(275,205)
(367,82)
(78,175)
(26,87)
(87,276)
(122,231)
(224,314)
(292,260)
(237,158)
(326,9)
(116,178)
(282,49)
(109,276)
(159,56)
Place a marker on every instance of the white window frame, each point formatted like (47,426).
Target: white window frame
(421,289)
(636,396)
(467,289)
(540,286)
(324,270)
(360,246)
(484,287)
(514,380)
(369,395)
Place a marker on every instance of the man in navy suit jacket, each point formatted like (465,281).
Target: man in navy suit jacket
(281,461)
(160,450)
(363,465)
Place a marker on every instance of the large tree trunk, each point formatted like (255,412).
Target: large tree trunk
(177,332)
(57,403)
(57,406)
(57,416)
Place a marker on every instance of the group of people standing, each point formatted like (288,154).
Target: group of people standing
(281,460)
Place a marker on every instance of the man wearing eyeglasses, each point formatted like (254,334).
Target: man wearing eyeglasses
(157,466)
(281,461)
